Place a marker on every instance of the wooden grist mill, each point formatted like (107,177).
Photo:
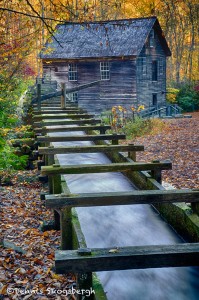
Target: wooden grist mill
(78,155)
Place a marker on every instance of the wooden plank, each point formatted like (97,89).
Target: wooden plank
(89,149)
(61,111)
(125,258)
(68,122)
(121,198)
(77,128)
(81,138)
(51,109)
(112,167)
(77,115)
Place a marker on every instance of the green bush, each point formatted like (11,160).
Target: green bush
(186,103)
(11,161)
(188,98)
(10,93)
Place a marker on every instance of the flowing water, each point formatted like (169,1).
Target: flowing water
(130,225)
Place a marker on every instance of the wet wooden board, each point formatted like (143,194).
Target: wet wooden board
(89,149)
(51,116)
(76,128)
(121,198)
(125,258)
(113,167)
(59,111)
(81,138)
(67,122)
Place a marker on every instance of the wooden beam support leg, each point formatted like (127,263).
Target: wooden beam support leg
(132,154)
(56,188)
(157,174)
(66,229)
(39,96)
(63,96)
(84,283)
(84,280)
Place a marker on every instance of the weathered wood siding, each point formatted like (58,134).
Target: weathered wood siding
(146,87)
(119,90)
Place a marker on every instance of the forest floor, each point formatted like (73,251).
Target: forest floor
(27,272)
(179,143)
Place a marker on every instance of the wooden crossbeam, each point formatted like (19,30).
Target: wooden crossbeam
(121,198)
(81,138)
(113,167)
(125,258)
(77,115)
(53,108)
(68,122)
(77,128)
(89,149)
(63,111)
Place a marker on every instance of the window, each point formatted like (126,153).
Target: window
(154,100)
(151,39)
(154,70)
(161,66)
(73,97)
(144,68)
(72,72)
(105,70)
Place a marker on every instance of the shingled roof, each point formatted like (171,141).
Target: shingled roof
(102,39)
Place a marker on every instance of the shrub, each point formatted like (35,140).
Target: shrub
(142,127)
(11,161)
(188,98)
(172,95)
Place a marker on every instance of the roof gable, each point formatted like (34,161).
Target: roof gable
(100,39)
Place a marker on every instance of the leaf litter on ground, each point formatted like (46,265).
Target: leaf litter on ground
(27,261)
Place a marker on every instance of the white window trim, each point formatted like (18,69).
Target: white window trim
(105,70)
(72,72)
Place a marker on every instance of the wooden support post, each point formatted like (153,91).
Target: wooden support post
(84,280)
(195,206)
(56,185)
(66,228)
(39,96)
(115,141)
(132,154)
(157,174)
(63,96)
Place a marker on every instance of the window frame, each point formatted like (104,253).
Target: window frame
(73,97)
(154,70)
(152,39)
(105,70)
(72,72)
(161,66)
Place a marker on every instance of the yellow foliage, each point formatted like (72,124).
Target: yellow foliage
(171,95)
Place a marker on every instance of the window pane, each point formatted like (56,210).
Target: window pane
(154,70)
(105,70)
(72,72)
